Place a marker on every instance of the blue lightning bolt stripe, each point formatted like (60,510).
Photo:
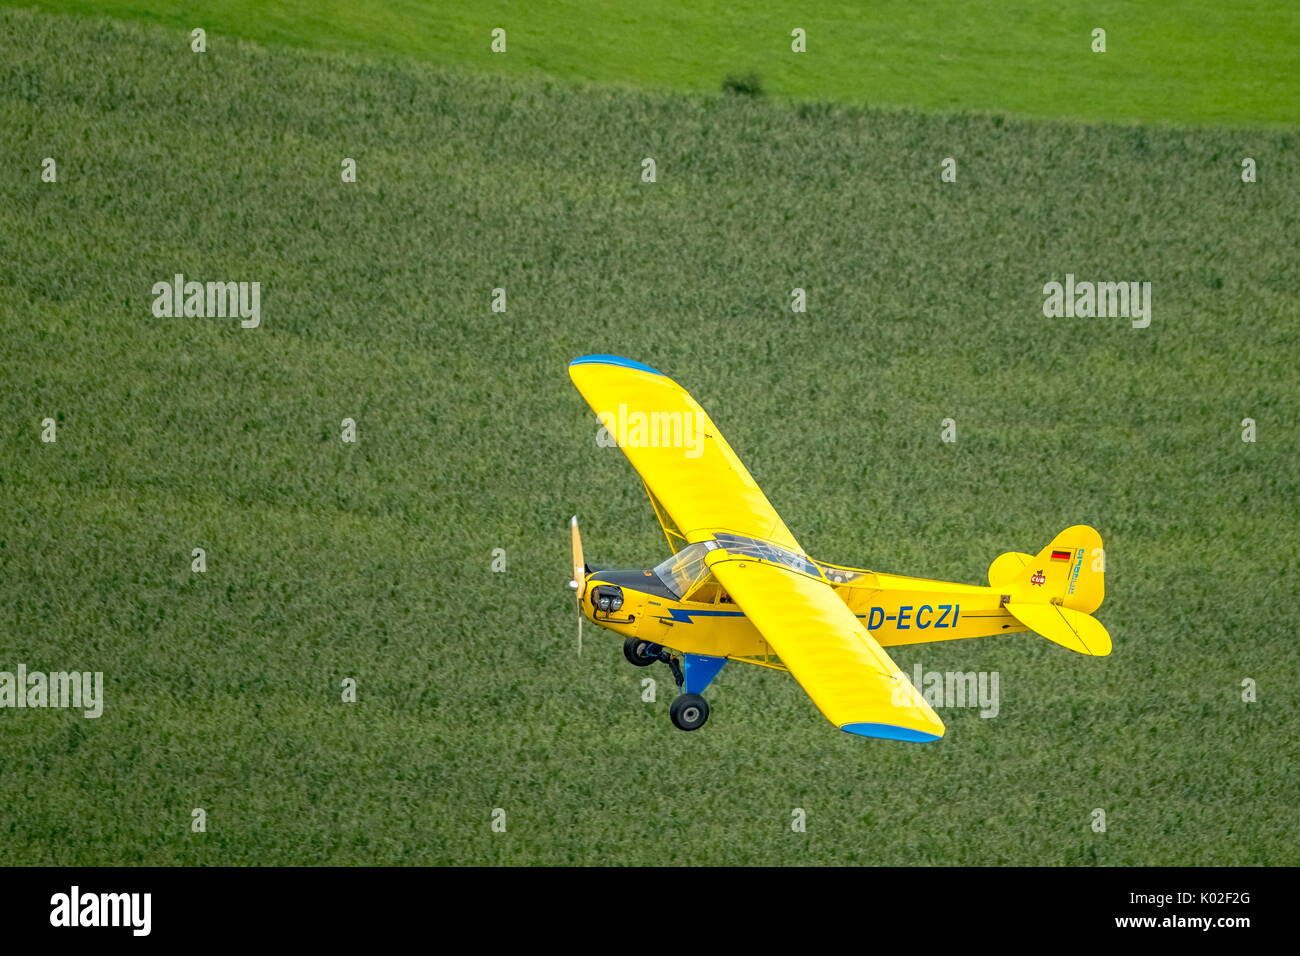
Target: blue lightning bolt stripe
(682,615)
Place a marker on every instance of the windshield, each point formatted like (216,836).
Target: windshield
(686,570)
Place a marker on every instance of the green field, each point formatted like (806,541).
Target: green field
(373,561)
(1199,62)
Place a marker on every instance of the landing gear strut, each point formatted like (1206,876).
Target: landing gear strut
(666,656)
(688,711)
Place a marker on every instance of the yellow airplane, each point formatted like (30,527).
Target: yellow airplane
(738,587)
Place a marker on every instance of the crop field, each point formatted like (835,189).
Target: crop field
(1192,61)
(373,561)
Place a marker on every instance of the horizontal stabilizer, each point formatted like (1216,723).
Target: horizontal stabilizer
(1062,625)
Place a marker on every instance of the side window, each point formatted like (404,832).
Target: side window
(706,593)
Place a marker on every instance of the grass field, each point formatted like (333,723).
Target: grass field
(1196,62)
(373,561)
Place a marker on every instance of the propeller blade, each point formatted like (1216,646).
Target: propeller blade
(579,574)
(579,568)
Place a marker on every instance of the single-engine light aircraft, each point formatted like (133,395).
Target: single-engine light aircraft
(739,588)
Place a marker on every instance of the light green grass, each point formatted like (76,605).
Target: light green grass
(1202,62)
(373,561)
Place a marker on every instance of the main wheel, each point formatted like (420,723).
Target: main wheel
(689,712)
(635,652)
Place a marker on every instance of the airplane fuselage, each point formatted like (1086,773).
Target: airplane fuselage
(897,610)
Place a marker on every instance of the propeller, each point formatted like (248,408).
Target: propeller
(579,574)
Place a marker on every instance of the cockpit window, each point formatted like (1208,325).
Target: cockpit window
(753,548)
(839,575)
(686,570)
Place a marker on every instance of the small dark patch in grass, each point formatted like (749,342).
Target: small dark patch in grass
(744,84)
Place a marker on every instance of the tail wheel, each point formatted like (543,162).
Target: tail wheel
(638,653)
(689,712)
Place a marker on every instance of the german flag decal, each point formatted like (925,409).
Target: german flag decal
(1060,555)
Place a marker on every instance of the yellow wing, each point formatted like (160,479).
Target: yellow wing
(687,466)
(846,673)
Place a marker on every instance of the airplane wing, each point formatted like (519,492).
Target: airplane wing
(838,663)
(688,468)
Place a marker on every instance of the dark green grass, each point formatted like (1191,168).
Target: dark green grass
(1181,62)
(373,561)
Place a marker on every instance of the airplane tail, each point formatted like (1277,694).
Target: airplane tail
(1055,591)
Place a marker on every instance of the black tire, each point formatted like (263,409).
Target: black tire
(689,712)
(634,651)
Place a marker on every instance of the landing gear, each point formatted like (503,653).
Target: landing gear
(640,653)
(689,712)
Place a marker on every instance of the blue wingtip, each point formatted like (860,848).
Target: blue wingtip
(889,732)
(614,360)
